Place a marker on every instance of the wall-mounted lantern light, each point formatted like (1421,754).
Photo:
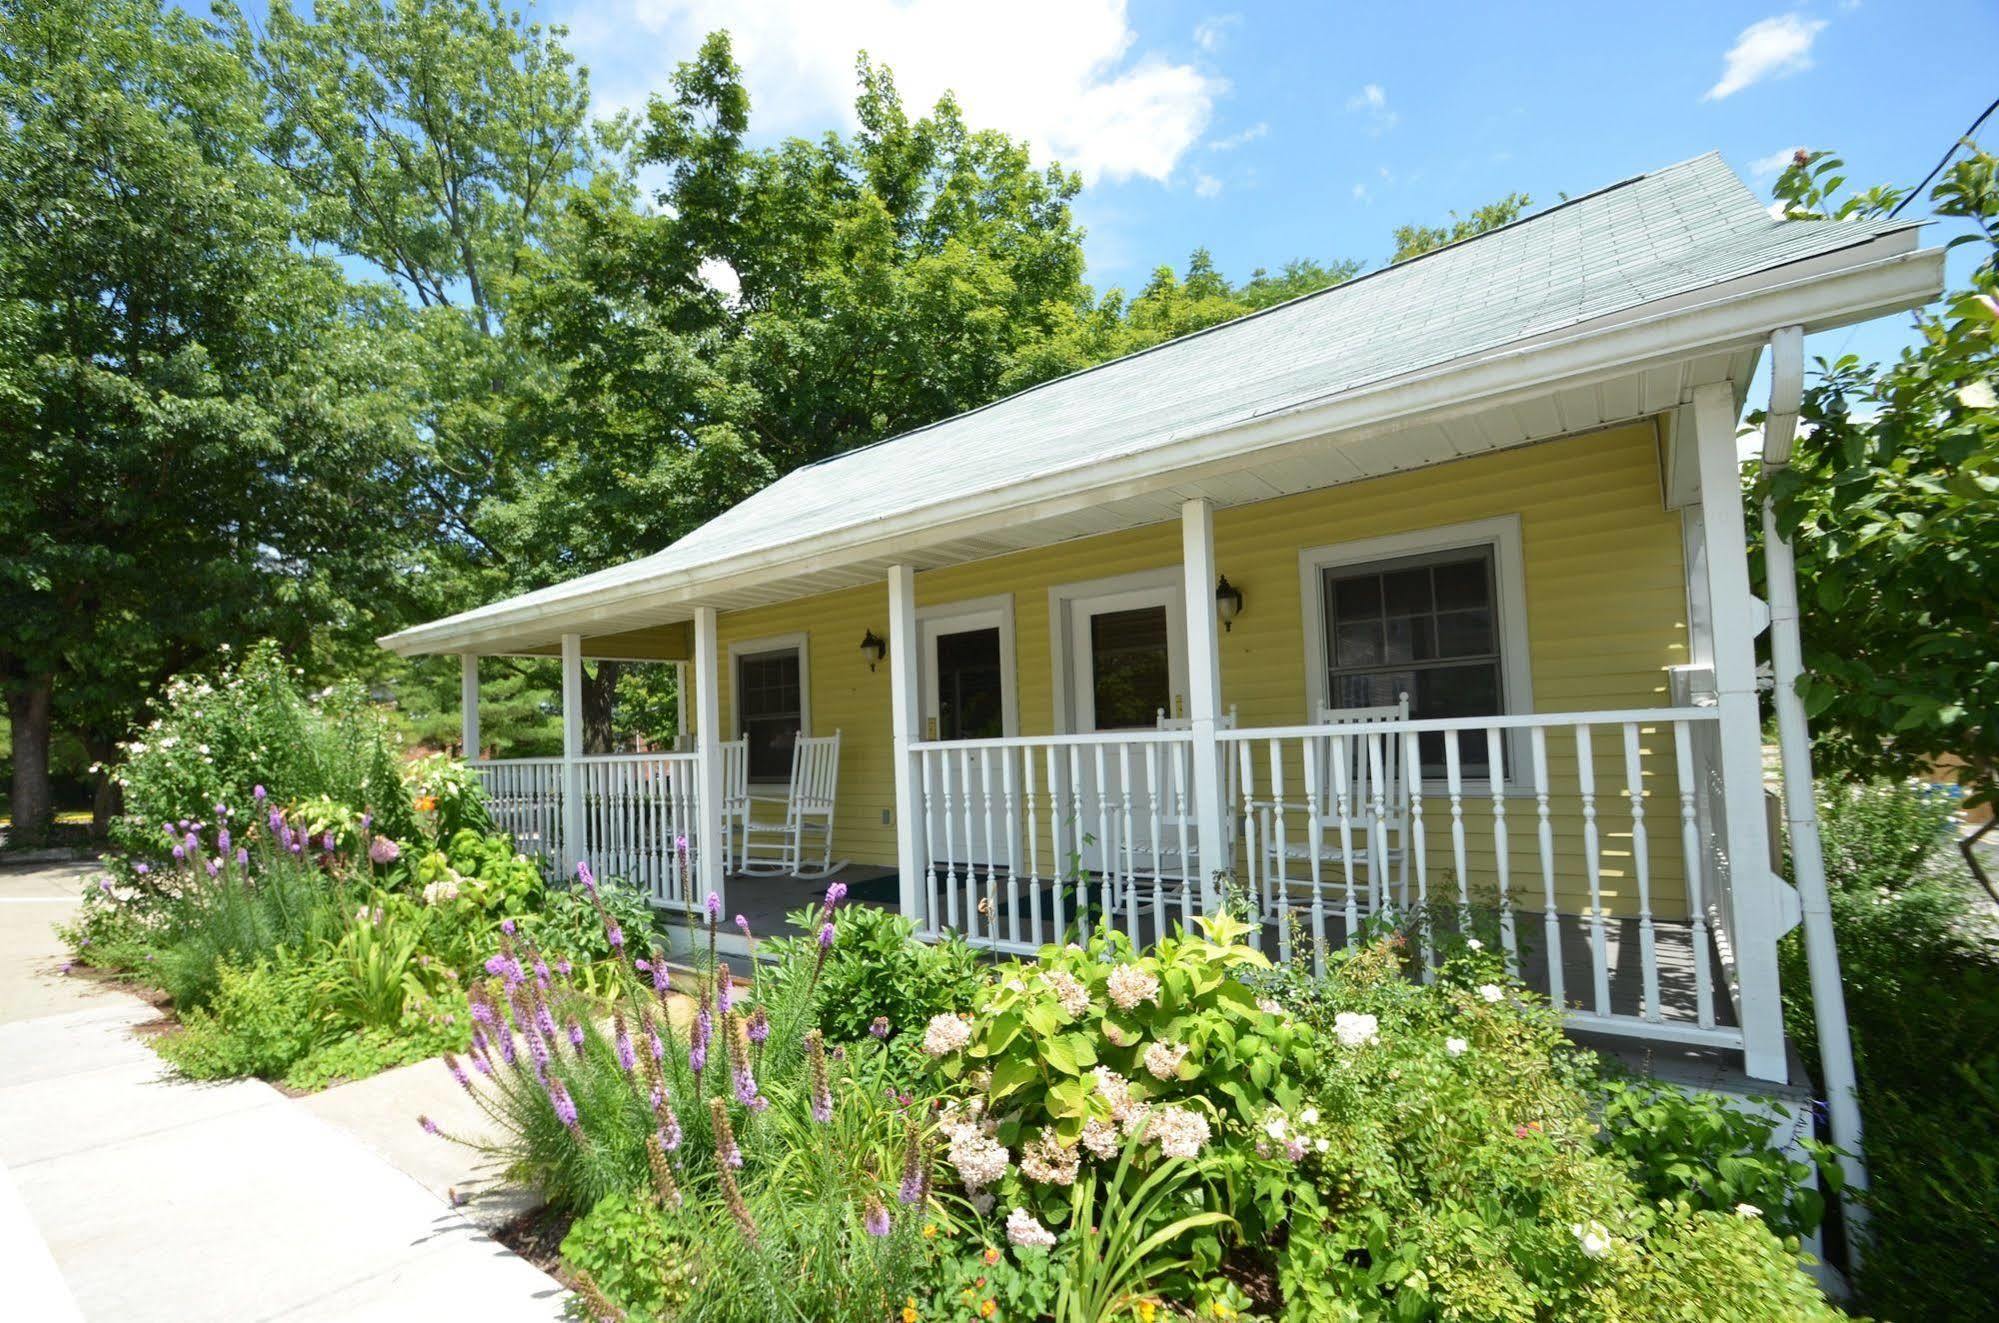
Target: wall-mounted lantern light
(873,649)
(1228,602)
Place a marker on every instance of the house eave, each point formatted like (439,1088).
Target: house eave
(1880,275)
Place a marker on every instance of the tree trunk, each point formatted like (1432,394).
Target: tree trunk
(31,802)
(600,690)
(108,800)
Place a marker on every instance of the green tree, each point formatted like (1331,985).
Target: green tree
(1415,240)
(1892,506)
(193,428)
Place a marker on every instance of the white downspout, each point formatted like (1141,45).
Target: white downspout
(1800,805)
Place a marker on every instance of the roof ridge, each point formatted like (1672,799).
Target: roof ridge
(1248,317)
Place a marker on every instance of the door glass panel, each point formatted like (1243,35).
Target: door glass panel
(768,700)
(1130,675)
(971,704)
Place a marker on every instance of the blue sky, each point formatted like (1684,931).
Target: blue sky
(1267,131)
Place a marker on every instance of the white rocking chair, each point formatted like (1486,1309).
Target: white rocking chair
(735,802)
(1362,786)
(773,847)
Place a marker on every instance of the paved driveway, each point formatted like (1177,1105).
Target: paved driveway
(127,1195)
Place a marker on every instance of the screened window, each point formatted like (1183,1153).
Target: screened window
(1424,625)
(769,700)
(1131,667)
(971,697)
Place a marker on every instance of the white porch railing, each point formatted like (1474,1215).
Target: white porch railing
(635,809)
(524,796)
(1589,848)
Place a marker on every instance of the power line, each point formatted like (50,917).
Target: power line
(1943,161)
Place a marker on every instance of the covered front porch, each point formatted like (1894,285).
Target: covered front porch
(1591,843)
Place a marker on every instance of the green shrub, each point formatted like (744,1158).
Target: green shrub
(240,915)
(428,1028)
(569,924)
(626,1247)
(1920,968)
(1699,1150)
(259,1022)
(216,738)
(883,973)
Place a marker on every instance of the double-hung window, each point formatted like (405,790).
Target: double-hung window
(1436,617)
(770,709)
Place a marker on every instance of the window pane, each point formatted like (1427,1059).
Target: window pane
(1463,583)
(1359,595)
(1373,688)
(1410,639)
(1357,643)
(769,707)
(1464,634)
(1406,592)
(1130,678)
(970,705)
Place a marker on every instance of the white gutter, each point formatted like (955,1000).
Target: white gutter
(1736,315)
(1801,816)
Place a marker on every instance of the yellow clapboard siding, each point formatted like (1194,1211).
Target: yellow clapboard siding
(1606,614)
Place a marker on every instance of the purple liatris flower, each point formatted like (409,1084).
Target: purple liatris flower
(576,1034)
(458,1071)
(142,869)
(222,841)
(723,983)
(743,923)
(242,857)
(429,1126)
(507,927)
(213,868)
(586,877)
(326,842)
(759,1025)
(714,907)
(654,1045)
(626,1060)
(562,966)
(697,1056)
(540,973)
(257,793)
(277,821)
(614,935)
(875,1220)
(826,937)
(482,1012)
(191,843)
(879,1027)
(835,894)
(367,821)
(565,1106)
(746,1086)
(180,852)
(539,1051)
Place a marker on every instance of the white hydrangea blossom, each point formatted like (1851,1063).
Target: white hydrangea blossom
(1129,985)
(1356,1028)
(1025,1231)
(1162,1059)
(945,1034)
(1748,1210)
(1070,991)
(1180,1133)
(1101,1138)
(1048,1160)
(979,1159)
(1492,992)
(1269,1006)
(1457,1047)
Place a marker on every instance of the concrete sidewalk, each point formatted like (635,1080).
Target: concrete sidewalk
(158,1199)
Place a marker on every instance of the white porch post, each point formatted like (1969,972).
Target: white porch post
(680,697)
(572,749)
(468,704)
(904,683)
(710,845)
(1737,619)
(1204,690)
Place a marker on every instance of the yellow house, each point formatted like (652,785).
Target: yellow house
(1424,595)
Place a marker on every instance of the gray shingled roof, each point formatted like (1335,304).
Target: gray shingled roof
(1671,232)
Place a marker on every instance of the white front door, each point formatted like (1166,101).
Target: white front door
(967,692)
(1127,668)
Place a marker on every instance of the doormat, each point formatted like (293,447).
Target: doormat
(883,890)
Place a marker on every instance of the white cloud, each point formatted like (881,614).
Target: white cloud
(1372,100)
(1206,185)
(1772,48)
(1235,140)
(1065,75)
(719,276)
(1210,33)
(1775,163)
(1360,193)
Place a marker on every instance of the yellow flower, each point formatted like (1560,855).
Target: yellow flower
(1146,1311)
(909,1314)
(988,1309)
(929,1230)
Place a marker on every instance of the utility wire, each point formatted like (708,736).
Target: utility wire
(1936,170)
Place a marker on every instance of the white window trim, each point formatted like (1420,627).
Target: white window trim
(998,608)
(1061,646)
(1509,576)
(798,643)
